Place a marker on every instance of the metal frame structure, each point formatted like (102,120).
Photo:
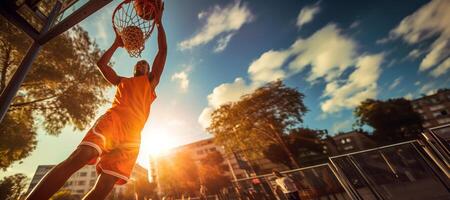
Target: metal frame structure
(9,9)
(346,184)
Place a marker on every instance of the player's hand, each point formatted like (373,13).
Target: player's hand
(159,11)
(118,41)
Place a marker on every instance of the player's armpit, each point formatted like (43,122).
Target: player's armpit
(110,75)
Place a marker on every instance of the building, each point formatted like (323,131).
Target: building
(352,141)
(434,109)
(40,172)
(239,166)
(199,150)
(84,179)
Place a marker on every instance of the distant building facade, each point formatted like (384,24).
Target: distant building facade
(41,171)
(352,141)
(199,150)
(434,109)
(84,179)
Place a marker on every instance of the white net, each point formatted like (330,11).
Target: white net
(133,29)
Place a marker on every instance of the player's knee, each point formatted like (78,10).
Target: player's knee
(105,184)
(80,157)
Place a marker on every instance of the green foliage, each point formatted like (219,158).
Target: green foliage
(178,174)
(144,188)
(393,120)
(211,172)
(63,88)
(306,145)
(64,195)
(12,187)
(258,120)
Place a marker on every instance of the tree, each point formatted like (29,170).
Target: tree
(12,187)
(178,174)
(211,172)
(306,144)
(64,195)
(258,120)
(63,88)
(144,188)
(393,120)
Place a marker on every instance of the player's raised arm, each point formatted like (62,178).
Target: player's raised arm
(160,59)
(109,74)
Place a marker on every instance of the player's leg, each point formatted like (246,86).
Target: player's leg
(56,178)
(103,186)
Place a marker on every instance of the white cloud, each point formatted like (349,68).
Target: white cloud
(326,60)
(306,15)
(229,92)
(268,66)
(205,117)
(409,96)
(355,24)
(395,83)
(222,94)
(441,69)
(345,125)
(183,78)
(223,42)
(415,53)
(219,21)
(361,85)
(428,88)
(430,21)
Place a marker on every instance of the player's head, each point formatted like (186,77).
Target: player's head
(141,68)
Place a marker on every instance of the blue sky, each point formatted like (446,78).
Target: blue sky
(337,53)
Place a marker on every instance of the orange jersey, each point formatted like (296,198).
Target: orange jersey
(133,99)
(116,135)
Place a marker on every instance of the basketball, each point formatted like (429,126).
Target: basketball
(145,8)
(133,38)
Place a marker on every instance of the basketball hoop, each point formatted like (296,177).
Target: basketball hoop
(134,21)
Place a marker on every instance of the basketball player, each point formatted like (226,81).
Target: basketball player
(113,142)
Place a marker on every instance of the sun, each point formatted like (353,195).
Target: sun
(156,141)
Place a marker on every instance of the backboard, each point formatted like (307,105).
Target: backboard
(41,20)
(32,16)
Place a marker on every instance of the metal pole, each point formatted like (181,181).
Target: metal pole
(433,170)
(344,181)
(18,77)
(370,185)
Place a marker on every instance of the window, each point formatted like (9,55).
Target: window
(443,121)
(343,141)
(348,147)
(348,140)
(80,191)
(93,174)
(92,182)
(444,112)
(83,173)
(437,107)
(436,114)
(81,182)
